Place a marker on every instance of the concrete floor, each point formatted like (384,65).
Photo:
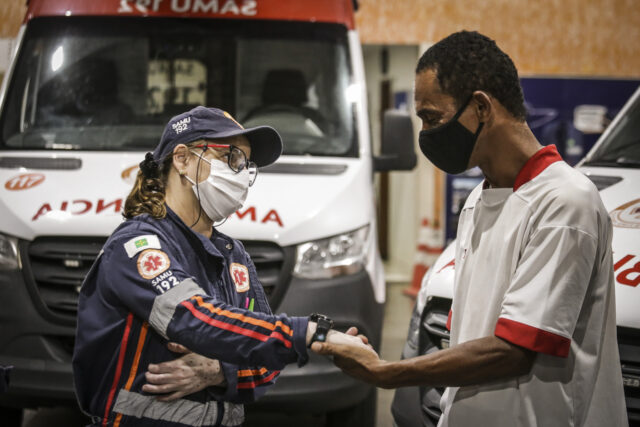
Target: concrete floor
(397,314)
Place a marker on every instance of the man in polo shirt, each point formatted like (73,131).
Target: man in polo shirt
(533,334)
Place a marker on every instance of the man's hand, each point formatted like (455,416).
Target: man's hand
(185,375)
(353,354)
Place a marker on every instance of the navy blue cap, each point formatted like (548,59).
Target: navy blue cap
(213,123)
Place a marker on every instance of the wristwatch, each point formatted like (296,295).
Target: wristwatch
(324,324)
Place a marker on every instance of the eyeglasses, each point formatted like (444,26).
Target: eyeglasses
(236,159)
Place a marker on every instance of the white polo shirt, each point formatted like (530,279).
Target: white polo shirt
(534,267)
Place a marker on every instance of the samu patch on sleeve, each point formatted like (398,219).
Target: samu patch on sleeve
(240,275)
(152,262)
(140,243)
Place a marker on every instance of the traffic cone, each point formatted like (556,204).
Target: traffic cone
(427,252)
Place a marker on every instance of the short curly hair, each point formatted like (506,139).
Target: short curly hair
(467,61)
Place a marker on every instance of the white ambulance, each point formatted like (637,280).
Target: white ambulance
(91,86)
(613,164)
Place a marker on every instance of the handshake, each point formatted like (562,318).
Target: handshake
(350,338)
(351,352)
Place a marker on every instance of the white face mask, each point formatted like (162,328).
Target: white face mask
(224,191)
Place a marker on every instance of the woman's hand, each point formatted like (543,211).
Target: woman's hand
(185,375)
(351,337)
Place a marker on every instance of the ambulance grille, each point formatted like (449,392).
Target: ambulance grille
(434,322)
(54,268)
(629,346)
(274,265)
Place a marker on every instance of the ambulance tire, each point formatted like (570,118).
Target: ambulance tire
(362,415)
(11,417)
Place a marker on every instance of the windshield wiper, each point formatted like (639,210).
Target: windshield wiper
(625,161)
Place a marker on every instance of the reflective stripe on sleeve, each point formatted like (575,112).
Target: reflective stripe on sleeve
(164,306)
(183,411)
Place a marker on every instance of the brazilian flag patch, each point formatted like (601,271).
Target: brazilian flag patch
(141,243)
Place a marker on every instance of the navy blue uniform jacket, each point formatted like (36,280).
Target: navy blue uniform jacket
(156,281)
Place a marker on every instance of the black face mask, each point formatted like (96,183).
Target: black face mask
(449,146)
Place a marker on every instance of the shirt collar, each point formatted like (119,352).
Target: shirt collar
(536,164)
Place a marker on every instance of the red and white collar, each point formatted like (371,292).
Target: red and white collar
(536,164)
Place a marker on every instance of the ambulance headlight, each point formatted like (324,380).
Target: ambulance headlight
(8,252)
(335,256)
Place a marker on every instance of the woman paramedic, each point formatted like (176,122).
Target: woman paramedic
(166,274)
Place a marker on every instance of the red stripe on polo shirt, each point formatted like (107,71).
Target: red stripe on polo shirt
(532,338)
(449,320)
(536,164)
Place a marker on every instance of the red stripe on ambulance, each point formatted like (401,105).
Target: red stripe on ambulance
(83,206)
(629,276)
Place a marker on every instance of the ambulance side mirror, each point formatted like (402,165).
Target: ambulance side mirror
(396,150)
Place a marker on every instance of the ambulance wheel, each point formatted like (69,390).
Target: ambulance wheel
(11,417)
(363,414)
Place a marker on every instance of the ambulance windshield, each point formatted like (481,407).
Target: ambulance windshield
(621,148)
(113,83)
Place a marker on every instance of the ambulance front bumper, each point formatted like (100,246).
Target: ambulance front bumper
(39,350)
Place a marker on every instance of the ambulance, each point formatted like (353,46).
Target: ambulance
(89,90)
(613,164)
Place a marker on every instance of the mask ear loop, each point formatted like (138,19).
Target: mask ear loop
(198,188)
(221,222)
(224,220)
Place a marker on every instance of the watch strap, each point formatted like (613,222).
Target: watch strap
(323,326)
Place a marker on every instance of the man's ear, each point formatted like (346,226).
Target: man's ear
(483,105)
(181,157)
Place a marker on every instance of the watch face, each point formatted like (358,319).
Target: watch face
(320,318)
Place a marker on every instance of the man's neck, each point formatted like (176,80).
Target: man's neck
(512,145)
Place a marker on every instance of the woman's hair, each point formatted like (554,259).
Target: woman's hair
(148,192)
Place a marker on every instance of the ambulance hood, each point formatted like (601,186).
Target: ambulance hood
(82,194)
(438,282)
(621,196)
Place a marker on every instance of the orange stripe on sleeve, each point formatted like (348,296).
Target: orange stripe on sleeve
(136,359)
(233,328)
(134,366)
(254,384)
(251,372)
(242,318)
(116,377)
